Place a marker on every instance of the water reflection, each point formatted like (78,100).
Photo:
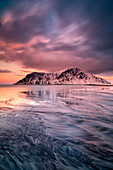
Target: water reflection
(56,127)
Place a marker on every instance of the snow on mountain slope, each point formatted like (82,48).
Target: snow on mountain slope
(69,76)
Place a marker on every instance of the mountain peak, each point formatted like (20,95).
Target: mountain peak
(70,75)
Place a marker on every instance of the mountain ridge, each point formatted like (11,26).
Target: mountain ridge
(70,75)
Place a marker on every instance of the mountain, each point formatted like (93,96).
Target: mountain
(67,76)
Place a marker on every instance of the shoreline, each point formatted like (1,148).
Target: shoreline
(56,85)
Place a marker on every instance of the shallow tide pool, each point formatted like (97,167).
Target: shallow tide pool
(56,127)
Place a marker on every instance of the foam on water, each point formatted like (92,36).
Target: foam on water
(56,127)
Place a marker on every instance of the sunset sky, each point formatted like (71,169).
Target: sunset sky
(51,35)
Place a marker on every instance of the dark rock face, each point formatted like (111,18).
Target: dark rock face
(69,76)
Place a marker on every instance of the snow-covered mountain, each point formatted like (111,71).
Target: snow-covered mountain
(67,76)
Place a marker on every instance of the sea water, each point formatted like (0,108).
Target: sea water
(56,127)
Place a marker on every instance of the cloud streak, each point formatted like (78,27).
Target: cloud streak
(51,35)
(5,71)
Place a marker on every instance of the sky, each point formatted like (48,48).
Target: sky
(51,35)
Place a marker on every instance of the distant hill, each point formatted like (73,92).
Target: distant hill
(68,76)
